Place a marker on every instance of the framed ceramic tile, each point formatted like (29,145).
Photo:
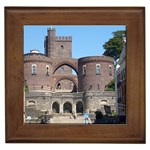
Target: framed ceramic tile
(18,129)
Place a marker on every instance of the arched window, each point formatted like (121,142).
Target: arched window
(110,70)
(62,68)
(47,70)
(62,47)
(84,70)
(30,103)
(104,102)
(98,69)
(34,69)
(58,86)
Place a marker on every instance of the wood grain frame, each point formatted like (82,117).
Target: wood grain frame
(17,131)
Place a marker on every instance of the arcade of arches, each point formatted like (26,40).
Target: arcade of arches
(67,107)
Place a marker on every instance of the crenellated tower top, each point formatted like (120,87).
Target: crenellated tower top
(57,46)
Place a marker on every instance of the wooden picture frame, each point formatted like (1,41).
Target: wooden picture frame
(131,132)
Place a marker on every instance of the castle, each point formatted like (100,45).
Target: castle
(52,86)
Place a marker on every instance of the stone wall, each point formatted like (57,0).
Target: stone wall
(58,46)
(69,102)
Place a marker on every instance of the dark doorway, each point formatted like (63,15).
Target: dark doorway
(55,107)
(67,108)
(79,107)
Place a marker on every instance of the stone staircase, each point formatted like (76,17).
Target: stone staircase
(67,119)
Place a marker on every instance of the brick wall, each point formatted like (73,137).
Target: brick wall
(40,79)
(92,81)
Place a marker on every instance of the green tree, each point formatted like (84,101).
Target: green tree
(113,46)
(110,86)
(119,33)
(26,87)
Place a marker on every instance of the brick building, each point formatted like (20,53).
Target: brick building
(121,82)
(49,75)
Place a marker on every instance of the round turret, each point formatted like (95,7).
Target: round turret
(37,71)
(95,73)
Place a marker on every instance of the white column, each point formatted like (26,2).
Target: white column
(74,107)
(61,108)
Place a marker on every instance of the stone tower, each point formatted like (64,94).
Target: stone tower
(57,47)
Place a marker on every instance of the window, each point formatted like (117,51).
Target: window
(30,103)
(124,74)
(84,70)
(58,86)
(34,69)
(104,102)
(98,69)
(47,70)
(118,78)
(62,47)
(110,70)
(62,69)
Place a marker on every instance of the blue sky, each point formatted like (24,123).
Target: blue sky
(86,40)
